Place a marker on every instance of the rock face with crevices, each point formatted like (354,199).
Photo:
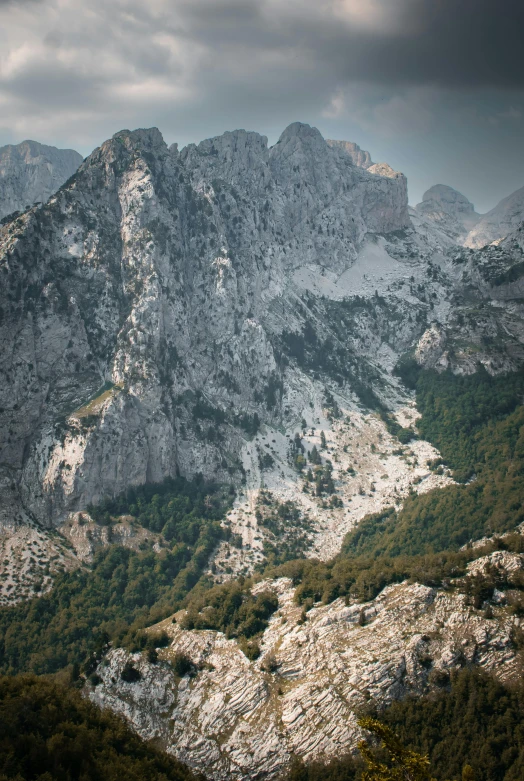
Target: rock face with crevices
(164,274)
(32,172)
(237,718)
(359,156)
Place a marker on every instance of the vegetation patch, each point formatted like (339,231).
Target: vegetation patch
(287,528)
(51,733)
(93,405)
(123,591)
(231,608)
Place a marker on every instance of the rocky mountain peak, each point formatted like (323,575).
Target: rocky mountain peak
(384,169)
(447,198)
(451,211)
(31,172)
(301,131)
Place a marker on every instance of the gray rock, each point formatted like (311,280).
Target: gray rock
(359,156)
(235,720)
(449,210)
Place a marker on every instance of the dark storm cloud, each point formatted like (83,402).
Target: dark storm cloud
(454,43)
(446,42)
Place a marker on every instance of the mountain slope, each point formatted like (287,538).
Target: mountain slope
(156,273)
(191,311)
(235,718)
(498,223)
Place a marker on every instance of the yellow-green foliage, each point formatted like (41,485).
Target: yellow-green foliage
(95,404)
(401,764)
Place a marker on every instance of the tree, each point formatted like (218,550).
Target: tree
(402,764)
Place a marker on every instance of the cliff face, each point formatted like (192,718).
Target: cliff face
(165,275)
(31,172)
(359,156)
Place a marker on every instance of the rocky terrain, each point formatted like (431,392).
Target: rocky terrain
(454,216)
(234,718)
(31,172)
(359,156)
(225,309)
(157,276)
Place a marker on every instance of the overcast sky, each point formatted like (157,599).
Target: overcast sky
(434,87)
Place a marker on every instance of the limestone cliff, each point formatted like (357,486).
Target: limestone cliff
(166,276)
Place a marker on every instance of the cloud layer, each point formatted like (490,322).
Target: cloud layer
(73,73)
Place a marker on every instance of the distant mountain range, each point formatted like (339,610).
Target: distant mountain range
(31,172)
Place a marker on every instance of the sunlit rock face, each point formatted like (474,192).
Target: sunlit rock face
(31,172)
(359,156)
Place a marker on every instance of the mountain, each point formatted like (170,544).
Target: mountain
(455,216)
(499,222)
(450,210)
(207,369)
(31,172)
(168,276)
(163,304)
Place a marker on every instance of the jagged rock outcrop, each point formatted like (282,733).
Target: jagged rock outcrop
(498,223)
(449,210)
(31,172)
(237,718)
(359,156)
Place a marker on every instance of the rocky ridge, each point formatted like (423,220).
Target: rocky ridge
(235,718)
(31,172)
(359,156)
